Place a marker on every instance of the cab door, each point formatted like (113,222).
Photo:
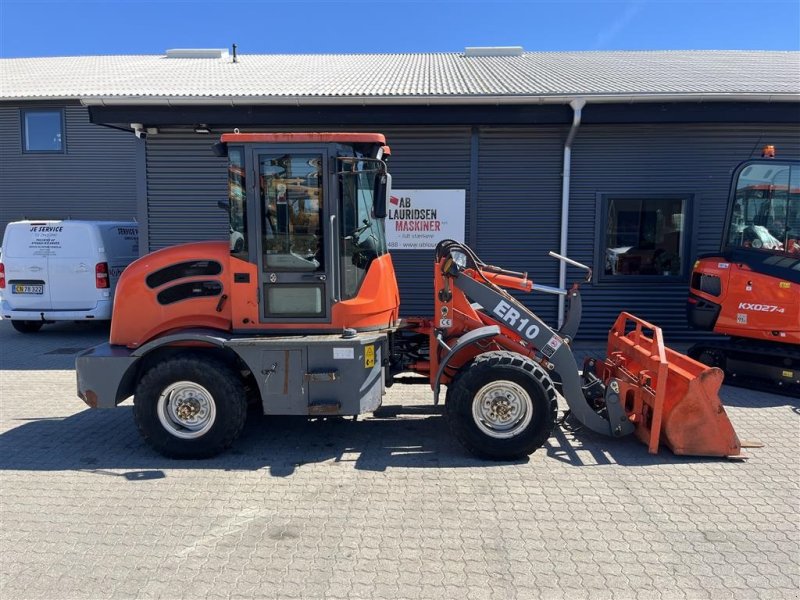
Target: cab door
(294,258)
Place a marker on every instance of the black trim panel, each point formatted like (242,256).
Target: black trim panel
(191,268)
(522,114)
(188,290)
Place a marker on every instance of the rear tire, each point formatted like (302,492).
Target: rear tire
(191,407)
(501,406)
(27,326)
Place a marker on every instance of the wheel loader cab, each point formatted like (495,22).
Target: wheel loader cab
(306,249)
(307,210)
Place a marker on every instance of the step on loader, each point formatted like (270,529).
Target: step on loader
(299,314)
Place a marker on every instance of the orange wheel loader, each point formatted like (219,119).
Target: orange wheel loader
(750,290)
(299,314)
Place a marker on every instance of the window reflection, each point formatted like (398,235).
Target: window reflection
(362,234)
(291,200)
(644,236)
(237,201)
(766,210)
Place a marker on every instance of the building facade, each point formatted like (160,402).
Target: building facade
(73,169)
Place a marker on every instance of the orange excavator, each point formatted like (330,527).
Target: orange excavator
(301,317)
(750,289)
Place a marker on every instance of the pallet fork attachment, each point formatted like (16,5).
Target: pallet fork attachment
(670,398)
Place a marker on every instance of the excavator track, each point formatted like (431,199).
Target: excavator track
(751,364)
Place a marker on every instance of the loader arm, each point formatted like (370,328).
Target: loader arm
(523,332)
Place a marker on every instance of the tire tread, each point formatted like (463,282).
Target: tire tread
(459,395)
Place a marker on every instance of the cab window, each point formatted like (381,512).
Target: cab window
(362,235)
(765,215)
(237,201)
(291,200)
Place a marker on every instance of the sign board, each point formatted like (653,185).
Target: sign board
(420,219)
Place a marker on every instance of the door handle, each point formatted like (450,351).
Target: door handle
(319,276)
(332,235)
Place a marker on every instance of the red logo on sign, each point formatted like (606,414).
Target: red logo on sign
(394,200)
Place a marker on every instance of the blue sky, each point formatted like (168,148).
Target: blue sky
(70,27)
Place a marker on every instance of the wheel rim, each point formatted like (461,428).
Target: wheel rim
(186,410)
(502,409)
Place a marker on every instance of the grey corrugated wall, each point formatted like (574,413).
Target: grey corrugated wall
(672,159)
(184,182)
(519,205)
(94,179)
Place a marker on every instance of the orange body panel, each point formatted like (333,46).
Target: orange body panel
(138,316)
(754,305)
(458,309)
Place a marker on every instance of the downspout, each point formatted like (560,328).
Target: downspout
(577,107)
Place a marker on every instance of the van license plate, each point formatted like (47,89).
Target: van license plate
(27,289)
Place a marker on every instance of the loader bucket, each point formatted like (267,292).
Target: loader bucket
(670,398)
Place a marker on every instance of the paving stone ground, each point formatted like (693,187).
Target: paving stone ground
(389,507)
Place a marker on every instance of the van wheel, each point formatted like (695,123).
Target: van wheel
(501,406)
(191,407)
(27,326)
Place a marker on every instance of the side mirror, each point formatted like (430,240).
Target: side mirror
(220,149)
(224,205)
(383,189)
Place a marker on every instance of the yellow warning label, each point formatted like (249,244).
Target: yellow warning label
(369,357)
(788,374)
(785,285)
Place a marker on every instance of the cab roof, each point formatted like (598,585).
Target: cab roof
(295,138)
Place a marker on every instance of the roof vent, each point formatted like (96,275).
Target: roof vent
(493,51)
(197,53)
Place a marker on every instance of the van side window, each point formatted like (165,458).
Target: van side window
(237,199)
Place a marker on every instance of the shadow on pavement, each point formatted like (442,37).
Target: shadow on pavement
(105,442)
(97,441)
(53,347)
(754,397)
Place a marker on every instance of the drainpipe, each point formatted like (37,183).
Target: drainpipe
(577,106)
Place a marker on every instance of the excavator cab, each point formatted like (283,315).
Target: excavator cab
(749,289)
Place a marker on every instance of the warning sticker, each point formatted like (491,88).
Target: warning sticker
(369,357)
(551,346)
(741,318)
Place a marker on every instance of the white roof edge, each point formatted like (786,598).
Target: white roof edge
(417,100)
(420,100)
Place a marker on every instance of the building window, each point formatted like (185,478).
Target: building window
(643,236)
(43,130)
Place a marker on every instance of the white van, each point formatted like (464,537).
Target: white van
(62,270)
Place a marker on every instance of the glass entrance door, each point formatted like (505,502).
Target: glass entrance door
(294,265)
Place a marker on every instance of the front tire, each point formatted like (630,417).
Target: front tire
(27,326)
(501,406)
(191,407)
